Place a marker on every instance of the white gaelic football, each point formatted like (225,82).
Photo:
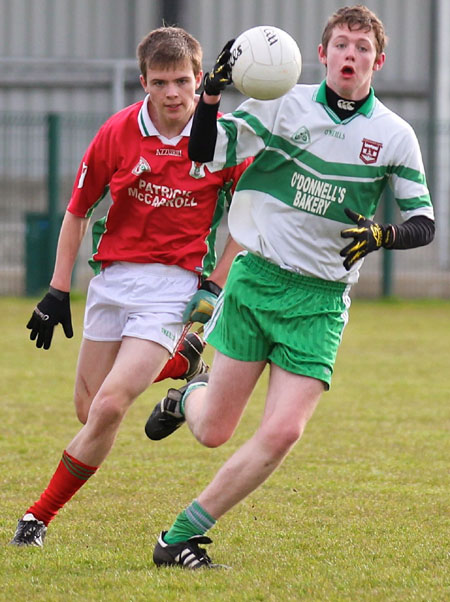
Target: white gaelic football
(265,62)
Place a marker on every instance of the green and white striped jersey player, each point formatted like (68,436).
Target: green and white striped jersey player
(303,211)
(309,166)
(321,164)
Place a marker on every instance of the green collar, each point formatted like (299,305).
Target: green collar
(366,109)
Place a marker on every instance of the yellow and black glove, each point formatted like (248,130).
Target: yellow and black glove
(201,306)
(367,236)
(220,77)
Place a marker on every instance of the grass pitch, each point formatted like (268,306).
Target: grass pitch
(358,512)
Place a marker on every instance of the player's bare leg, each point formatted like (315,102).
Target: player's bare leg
(214,426)
(213,412)
(290,403)
(137,364)
(95,360)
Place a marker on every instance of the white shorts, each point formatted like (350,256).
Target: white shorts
(139,300)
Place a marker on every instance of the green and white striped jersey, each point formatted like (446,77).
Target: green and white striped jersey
(309,165)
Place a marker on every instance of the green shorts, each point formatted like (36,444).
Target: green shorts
(268,313)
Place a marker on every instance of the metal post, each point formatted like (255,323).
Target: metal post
(118,86)
(433,96)
(439,145)
(388,256)
(54,221)
(170,11)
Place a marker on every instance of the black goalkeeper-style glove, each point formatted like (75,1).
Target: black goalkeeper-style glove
(201,306)
(220,77)
(52,310)
(367,236)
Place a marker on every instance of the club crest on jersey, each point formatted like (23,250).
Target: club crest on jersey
(370,151)
(197,170)
(302,136)
(141,166)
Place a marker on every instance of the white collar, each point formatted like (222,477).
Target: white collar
(148,128)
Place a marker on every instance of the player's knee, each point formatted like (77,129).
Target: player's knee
(108,410)
(213,437)
(281,439)
(211,440)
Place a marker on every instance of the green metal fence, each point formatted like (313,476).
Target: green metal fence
(39,157)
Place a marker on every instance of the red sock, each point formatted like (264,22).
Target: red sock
(70,475)
(175,368)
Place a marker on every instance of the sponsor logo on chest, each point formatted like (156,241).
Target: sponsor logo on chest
(169,152)
(157,195)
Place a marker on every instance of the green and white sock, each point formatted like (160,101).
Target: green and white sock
(188,392)
(194,520)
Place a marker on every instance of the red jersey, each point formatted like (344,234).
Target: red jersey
(165,208)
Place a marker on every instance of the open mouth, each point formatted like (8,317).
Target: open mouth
(347,70)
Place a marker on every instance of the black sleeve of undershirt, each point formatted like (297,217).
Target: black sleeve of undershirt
(415,232)
(202,141)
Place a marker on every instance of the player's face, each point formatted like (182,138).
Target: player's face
(172,95)
(350,59)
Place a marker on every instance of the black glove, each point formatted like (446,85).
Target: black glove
(367,236)
(201,306)
(52,310)
(220,77)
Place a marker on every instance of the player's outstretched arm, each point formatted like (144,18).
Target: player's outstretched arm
(216,80)
(202,140)
(203,136)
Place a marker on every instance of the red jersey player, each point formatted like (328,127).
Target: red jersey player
(151,252)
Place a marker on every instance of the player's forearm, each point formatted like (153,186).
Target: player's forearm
(418,231)
(72,232)
(220,273)
(202,140)
(210,99)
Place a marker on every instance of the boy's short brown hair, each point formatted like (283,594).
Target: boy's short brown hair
(356,17)
(168,47)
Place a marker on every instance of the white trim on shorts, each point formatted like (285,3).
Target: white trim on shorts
(142,300)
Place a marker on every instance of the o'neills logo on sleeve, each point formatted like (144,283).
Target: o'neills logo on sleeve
(370,151)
